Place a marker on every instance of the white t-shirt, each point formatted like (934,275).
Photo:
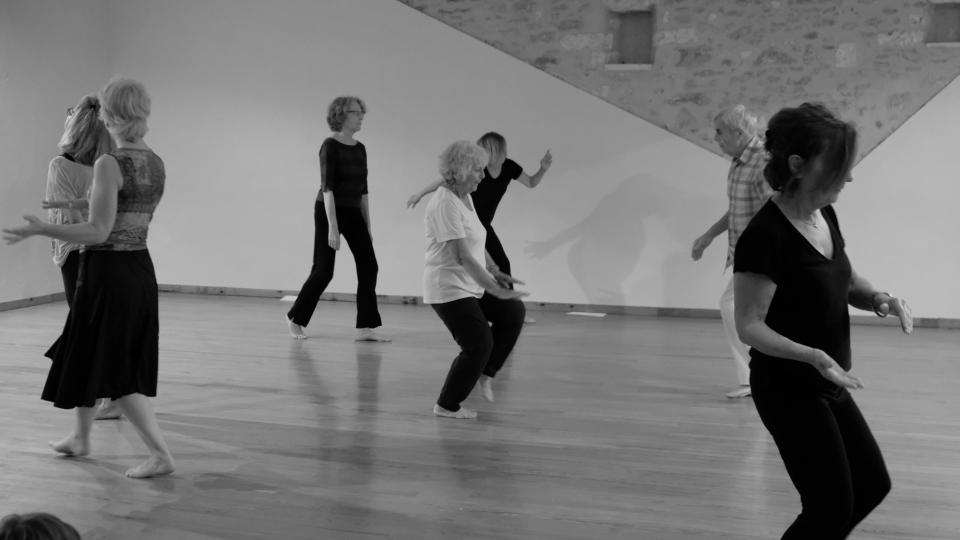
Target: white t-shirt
(450,218)
(66,181)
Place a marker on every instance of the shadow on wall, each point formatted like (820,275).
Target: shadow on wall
(607,245)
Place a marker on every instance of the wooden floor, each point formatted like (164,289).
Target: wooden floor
(611,428)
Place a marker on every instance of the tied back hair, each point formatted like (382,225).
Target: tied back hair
(85,137)
(808,131)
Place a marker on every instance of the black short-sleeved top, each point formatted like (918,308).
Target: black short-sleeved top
(487,196)
(810,303)
(343,170)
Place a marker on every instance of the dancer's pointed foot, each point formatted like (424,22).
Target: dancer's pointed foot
(153,466)
(462,414)
(367,334)
(486,387)
(296,331)
(72,446)
(108,410)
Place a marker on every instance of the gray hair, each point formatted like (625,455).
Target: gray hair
(741,118)
(458,158)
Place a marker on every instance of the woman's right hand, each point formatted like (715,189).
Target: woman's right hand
(504,293)
(413,200)
(831,370)
(333,239)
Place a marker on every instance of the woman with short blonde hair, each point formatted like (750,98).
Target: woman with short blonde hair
(109,346)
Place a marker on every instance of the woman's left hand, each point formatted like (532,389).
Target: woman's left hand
(898,307)
(546,161)
(15,234)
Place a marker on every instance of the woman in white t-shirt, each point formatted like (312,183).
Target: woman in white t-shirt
(470,295)
(69,176)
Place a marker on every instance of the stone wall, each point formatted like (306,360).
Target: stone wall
(865,59)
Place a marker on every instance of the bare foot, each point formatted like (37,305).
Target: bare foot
(153,466)
(296,331)
(71,446)
(108,410)
(486,387)
(367,334)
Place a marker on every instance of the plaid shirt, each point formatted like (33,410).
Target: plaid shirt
(747,190)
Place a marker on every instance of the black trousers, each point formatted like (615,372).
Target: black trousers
(354,230)
(495,248)
(69,272)
(484,347)
(829,453)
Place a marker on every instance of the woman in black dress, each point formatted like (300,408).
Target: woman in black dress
(109,344)
(793,283)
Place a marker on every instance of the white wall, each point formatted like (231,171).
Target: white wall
(51,54)
(240,89)
(900,216)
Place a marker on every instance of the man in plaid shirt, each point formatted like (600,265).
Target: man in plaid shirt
(738,134)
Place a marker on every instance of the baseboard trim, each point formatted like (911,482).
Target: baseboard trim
(32,301)
(640,311)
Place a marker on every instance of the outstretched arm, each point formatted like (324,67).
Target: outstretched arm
(103,211)
(533,181)
(429,188)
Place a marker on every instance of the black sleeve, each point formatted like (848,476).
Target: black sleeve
(511,169)
(758,251)
(328,175)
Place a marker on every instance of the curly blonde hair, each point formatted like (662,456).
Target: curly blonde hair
(459,158)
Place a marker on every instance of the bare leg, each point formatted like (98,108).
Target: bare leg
(107,410)
(138,409)
(77,444)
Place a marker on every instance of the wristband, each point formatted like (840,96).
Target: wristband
(873,302)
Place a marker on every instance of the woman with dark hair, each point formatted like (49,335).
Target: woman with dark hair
(109,346)
(341,208)
(69,176)
(793,283)
(36,526)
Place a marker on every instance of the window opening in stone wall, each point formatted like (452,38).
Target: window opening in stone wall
(944,27)
(633,38)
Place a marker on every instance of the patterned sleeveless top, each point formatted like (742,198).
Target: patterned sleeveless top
(143,179)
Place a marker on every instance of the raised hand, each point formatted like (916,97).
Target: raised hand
(33,227)
(546,161)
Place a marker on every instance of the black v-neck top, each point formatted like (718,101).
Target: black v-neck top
(487,196)
(810,303)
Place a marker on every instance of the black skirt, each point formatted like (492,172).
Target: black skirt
(108,348)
